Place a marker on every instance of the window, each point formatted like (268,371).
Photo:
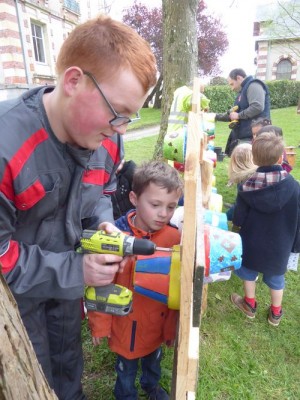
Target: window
(284,69)
(72,5)
(38,42)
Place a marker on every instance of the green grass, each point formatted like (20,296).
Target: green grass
(149,117)
(140,150)
(239,359)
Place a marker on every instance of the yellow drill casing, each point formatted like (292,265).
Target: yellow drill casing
(102,242)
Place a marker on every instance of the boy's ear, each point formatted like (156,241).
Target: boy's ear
(133,198)
(279,162)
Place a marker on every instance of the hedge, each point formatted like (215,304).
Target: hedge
(283,94)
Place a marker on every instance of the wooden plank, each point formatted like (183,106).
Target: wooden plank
(187,263)
(187,355)
(206,187)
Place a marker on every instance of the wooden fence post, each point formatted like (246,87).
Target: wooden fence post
(186,360)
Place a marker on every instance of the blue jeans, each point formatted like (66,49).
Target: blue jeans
(126,374)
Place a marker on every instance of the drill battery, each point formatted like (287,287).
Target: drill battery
(110,299)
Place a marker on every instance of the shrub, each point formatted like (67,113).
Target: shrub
(218,80)
(283,94)
(221,98)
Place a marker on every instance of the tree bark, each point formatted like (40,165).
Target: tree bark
(180,55)
(156,94)
(21,376)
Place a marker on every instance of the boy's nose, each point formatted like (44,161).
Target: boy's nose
(162,212)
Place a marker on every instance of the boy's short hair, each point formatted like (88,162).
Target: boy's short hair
(271,128)
(260,121)
(267,149)
(102,46)
(158,172)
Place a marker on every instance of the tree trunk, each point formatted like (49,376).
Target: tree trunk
(157,101)
(180,55)
(21,376)
(155,94)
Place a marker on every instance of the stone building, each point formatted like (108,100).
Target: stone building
(31,34)
(277,41)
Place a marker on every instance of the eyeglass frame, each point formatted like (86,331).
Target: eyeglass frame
(117,116)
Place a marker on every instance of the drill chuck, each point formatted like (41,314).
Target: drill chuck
(141,247)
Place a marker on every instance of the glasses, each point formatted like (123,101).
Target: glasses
(118,119)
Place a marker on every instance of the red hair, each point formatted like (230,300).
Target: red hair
(103,45)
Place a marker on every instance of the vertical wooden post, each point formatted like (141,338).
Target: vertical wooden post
(206,184)
(192,261)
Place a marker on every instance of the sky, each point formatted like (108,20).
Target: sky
(237,17)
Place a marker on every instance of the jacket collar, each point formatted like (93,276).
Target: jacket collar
(140,233)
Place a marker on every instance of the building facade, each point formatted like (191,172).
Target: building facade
(31,34)
(277,41)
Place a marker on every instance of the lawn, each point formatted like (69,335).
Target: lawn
(239,359)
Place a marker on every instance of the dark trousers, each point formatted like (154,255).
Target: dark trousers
(54,328)
(233,141)
(126,374)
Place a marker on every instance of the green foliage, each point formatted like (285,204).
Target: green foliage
(284,93)
(140,150)
(218,80)
(221,98)
(149,117)
(249,360)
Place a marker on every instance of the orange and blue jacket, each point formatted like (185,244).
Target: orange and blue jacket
(151,323)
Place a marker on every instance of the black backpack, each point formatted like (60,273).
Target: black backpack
(120,198)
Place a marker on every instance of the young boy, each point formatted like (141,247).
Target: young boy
(156,189)
(268,214)
(278,132)
(257,124)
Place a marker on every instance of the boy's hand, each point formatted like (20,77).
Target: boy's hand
(97,340)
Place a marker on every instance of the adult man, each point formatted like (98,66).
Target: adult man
(252,101)
(59,149)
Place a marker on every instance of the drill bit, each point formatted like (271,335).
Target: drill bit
(166,249)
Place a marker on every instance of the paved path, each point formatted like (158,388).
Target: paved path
(141,133)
